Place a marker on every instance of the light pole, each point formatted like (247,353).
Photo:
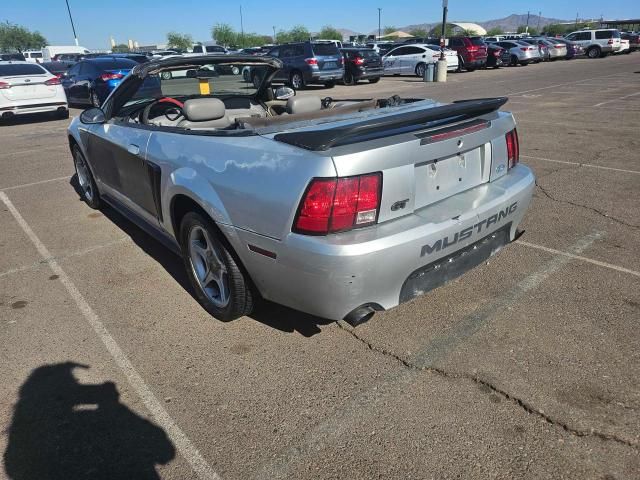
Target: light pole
(538,28)
(241,29)
(72,26)
(379,29)
(274,34)
(445,9)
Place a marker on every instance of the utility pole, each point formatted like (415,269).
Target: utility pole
(445,9)
(526,30)
(539,15)
(241,29)
(274,34)
(72,26)
(577,20)
(379,29)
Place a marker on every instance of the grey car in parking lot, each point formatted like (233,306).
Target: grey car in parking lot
(338,208)
(518,53)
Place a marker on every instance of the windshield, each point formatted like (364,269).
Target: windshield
(219,79)
(21,69)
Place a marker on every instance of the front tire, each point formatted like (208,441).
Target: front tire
(219,284)
(421,68)
(88,190)
(348,79)
(374,80)
(94,99)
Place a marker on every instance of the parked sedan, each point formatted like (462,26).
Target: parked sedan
(494,55)
(409,60)
(573,49)
(28,88)
(59,69)
(91,81)
(518,53)
(338,208)
(543,48)
(361,64)
(451,56)
(555,50)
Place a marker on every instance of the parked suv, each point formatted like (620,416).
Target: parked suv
(361,64)
(634,41)
(472,52)
(597,43)
(309,62)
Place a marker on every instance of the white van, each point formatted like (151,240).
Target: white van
(33,56)
(51,51)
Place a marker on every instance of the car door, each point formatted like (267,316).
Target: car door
(411,58)
(117,152)
(391,60)
(68,81)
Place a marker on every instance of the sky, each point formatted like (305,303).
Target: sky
(148,21)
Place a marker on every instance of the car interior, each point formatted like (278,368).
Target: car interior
(257,108)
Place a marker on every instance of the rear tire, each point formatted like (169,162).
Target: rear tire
(62,114)
(88,189)
(514,61)
(348,79)
(166,75)
(421,68)
(296,80)
(220,285)
(594,52)
(330,84)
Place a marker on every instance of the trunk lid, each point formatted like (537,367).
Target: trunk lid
(30,87)
(425,155)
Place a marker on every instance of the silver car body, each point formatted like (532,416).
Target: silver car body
(524,52)
(404,60)
(604,40)
(442,202)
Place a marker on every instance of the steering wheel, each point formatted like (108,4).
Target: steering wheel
(173,109)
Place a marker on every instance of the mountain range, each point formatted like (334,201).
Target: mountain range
(508,24)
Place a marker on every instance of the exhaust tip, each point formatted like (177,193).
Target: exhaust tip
(362,314)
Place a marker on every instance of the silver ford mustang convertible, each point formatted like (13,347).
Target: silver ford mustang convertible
(338,208)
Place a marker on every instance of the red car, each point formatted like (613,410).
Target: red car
(472,52)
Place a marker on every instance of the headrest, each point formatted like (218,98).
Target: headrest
(203,109)
(304,104)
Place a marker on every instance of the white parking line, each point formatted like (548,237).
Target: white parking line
(34,150)
(578,257)
(577,82)
(77,253)
(587,165)
(24,185)
(191,454)
(616,99)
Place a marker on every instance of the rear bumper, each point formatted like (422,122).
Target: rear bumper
(369,73)
(320,76)
(27,108)
(333,275)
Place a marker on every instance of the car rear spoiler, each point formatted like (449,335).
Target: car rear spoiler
(387,125)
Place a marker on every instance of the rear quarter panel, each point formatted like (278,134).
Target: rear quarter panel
(251,183)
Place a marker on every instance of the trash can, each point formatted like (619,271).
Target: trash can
(429,72)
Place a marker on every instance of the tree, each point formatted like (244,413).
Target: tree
(437,31)
(299,33)
(179,41)
(120,48)
(330,33)
(468,32)
(389,29)
(530,31)
(492,32)
(419,32)
(14,37)
(224,34)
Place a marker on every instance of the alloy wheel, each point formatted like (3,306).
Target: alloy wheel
(208,267)
(296,81)
(95,100)
(84,177)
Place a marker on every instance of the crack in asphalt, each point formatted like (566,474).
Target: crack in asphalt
(595,210)
(484,383)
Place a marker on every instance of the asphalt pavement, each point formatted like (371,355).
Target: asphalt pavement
(526,367)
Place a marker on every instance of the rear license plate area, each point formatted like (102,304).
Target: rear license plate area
(328,65)
(442,178)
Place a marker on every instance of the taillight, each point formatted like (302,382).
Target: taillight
(513,148)
(4,85)
(610,41)
(311,61)
(472,49)
(111,76)
(560,46)
(53,81)
(335,205)
(358,61)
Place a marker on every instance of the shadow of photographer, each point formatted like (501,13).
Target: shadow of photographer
(62,429)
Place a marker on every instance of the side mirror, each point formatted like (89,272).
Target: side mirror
(284,93)
(92,116)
